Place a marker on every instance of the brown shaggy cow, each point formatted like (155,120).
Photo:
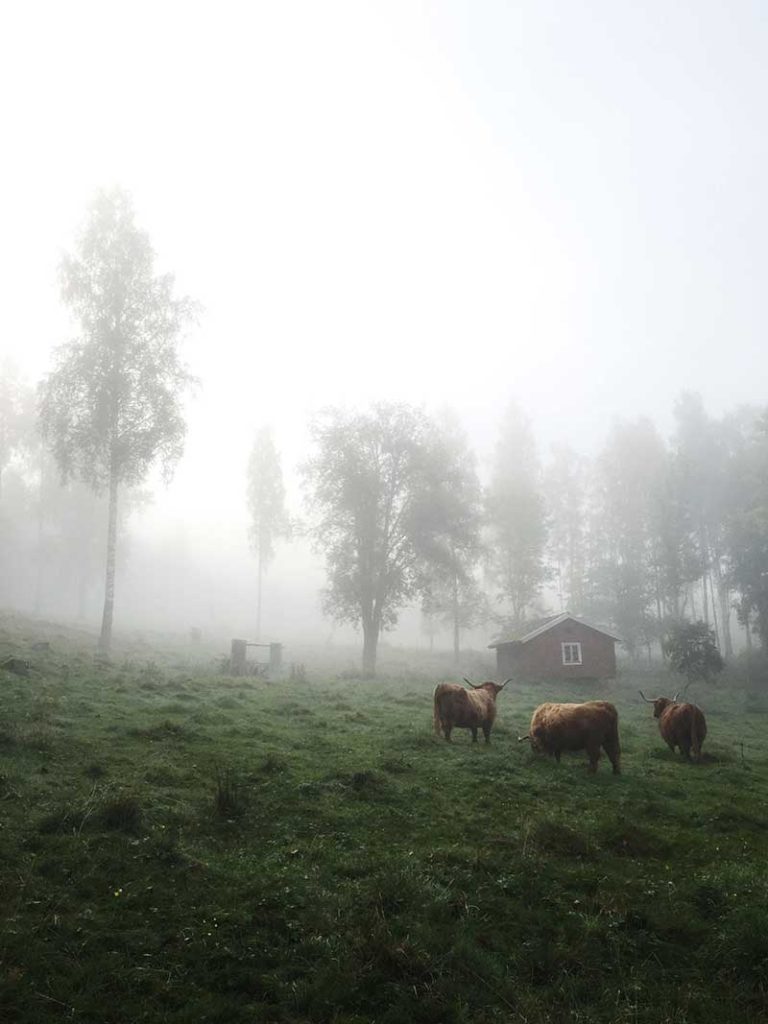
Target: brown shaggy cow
(587,726)
(681,725)
(457,708)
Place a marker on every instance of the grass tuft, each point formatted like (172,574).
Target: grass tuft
(273,764)
(557,839)
(164,730)
(630,840)
(9,736)
(396,765)
(122,813)
(228,800)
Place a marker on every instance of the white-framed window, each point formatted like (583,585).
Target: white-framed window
(571,653)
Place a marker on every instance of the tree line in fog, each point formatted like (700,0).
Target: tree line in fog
(651,532)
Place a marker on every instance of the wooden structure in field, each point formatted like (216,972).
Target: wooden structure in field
(558,647)
(240,666)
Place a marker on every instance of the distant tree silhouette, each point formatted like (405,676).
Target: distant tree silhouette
(516,517)
(266,506)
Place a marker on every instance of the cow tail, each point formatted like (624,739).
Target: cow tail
(438,722)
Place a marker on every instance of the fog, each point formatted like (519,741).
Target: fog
(451,205)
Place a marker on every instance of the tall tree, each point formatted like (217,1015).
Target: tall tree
(705,450)
(112,405)
(746,532)
(266,506)
(622,582)
(674,557)
(16,416)
(450,538)
(375,484)
(516,518)
(565,492)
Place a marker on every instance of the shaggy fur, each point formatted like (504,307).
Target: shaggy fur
(457,708)
(681,725)
(588,726)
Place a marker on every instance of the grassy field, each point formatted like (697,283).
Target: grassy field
(179,846)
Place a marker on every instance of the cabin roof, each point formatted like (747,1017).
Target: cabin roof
(533,629)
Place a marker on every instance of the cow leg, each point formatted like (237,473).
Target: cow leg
(447,731)
(474,733)
(612,751)
(487,733)
(593,753)
(557,756)
(685,750)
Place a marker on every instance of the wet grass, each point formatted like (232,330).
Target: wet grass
(310,852)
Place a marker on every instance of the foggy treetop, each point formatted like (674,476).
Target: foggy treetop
(448,206)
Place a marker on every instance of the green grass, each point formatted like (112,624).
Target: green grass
(178,846)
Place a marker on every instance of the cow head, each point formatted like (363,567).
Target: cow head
(659,703)
(493,688)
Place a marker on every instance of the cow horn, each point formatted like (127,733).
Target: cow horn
(469,683)
(645,698)
(676,696)
(505,683)
(521,738)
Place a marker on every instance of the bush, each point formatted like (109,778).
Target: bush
(692,651)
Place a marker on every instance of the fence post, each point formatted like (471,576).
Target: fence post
(237,658)
(275,660)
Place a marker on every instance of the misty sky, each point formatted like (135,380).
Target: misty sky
(561,203)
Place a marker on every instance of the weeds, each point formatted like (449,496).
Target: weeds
(228,801)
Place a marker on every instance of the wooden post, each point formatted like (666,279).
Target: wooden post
(275,660)
(237,658)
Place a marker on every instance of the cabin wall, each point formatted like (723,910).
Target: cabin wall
(542,657)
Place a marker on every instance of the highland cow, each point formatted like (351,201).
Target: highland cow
(680,724)
(589,726)
(457,708)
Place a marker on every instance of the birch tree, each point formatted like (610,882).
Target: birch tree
(111,407)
